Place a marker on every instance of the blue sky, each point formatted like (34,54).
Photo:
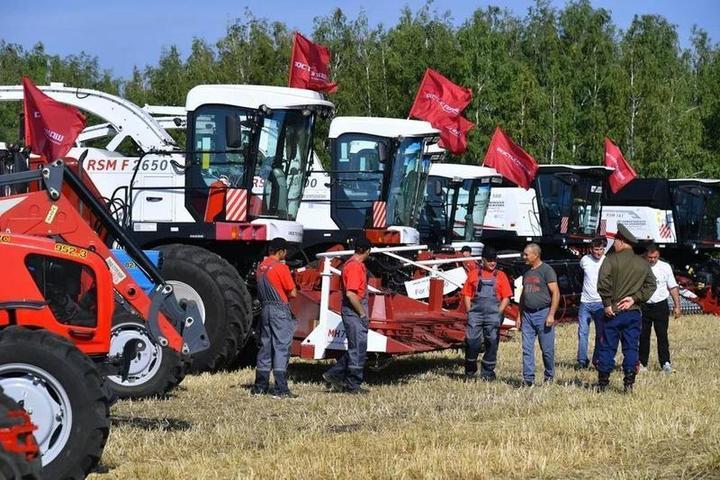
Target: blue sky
(133,32)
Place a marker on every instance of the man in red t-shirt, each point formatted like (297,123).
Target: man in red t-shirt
(347,374)
(466,251)
(486,293)
(277,324)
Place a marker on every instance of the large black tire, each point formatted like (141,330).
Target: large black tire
(14,465)
(155,370)
(224,296)
(34,362)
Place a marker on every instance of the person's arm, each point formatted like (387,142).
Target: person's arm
(674,290)
(467,300)
(675,293)
(354,300)
(604,285)
(287,282)
(554,303)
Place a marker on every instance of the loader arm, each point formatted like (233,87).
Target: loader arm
(46,213)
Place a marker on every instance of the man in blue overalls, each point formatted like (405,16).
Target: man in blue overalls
(277,324)
(347,374)
(486,293)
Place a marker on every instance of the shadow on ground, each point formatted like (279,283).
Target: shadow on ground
(144,423)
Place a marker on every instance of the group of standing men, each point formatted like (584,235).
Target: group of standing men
(624,295)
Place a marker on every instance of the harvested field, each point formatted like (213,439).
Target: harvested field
(422,421)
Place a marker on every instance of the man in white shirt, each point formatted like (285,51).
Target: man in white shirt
(591,307)
(656,311)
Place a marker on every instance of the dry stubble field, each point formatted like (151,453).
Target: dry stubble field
(422,421)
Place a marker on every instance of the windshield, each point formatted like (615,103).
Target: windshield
(698,212)
(358,178)
(406,193)
(211,152)
(570,204)
(283,155)
(472,205)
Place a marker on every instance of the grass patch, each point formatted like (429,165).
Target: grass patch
(421,421)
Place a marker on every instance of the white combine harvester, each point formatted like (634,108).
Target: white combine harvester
(375,184)
(212,207)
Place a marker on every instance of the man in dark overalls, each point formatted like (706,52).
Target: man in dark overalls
(277,324)
(486,293)
(347,374)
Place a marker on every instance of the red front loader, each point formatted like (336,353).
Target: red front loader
(64,300)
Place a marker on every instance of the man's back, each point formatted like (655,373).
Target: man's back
(624,274)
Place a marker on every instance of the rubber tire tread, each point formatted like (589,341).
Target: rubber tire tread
(229,326)
(172,371)
(15,465)
(84,387)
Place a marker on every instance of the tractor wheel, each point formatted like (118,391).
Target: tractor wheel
(17,463)
(221,295)
(63,393)
(154,371)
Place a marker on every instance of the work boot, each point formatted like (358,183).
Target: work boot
(629,380)
(603,381)
(281,384)
(356,391)
(333,383)
(471,367)
(262,383)
(281,395)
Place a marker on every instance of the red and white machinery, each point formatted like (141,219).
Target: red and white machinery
(681,216)
(375,184)
(212,206)
(399,325)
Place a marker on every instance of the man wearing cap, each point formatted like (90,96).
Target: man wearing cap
(277,324)
(538,303)
(347,374)
(486,293)
(624,283)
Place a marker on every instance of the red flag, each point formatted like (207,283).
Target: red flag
(309,66)
(623,173)
(511,161)
(453,133)
(51,127)
(438,97)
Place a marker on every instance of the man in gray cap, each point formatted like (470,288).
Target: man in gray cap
(625,282)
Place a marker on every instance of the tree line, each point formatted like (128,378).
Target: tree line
(557,80)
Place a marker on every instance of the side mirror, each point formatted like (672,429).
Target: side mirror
(233,132)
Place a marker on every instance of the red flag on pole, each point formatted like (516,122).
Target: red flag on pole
(51,127)
(309,66)
(511,161)
(437,98)
(623,173)
(453,133)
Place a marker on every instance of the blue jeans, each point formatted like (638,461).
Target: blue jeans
(533,325)
(350,365)
(623,328)
(588,312)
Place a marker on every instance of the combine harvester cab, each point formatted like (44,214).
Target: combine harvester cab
(375,184)
(456,203)
(561,212)
(681,216)
(212,208)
